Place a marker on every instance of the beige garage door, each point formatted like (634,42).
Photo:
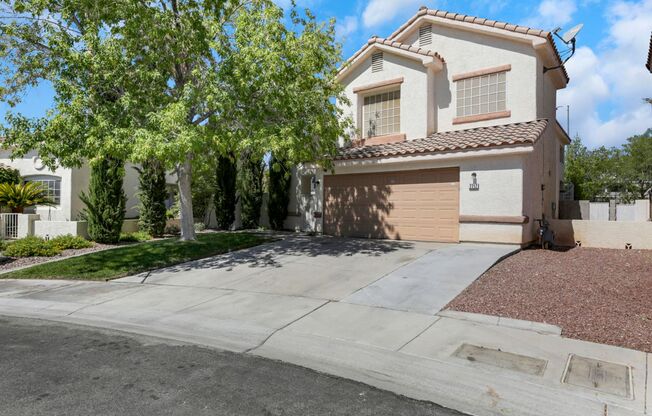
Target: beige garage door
(407,205)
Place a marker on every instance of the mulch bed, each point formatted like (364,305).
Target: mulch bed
(12,263)
(598,295)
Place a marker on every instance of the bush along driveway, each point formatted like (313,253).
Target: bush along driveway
(137,258)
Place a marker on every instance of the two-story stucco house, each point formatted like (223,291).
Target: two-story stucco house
(457,135)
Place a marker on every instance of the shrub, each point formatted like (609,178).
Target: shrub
(17,196)
(250,188)
(172,229)
(30,247)
(9,175)
(279,192)
(153,194)
(105,201)
(135,237)
(225,191)
(66,242)
(200,226)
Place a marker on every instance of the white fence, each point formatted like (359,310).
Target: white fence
(9,226)
(637,211)
(599,211)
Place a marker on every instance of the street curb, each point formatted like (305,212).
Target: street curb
(538,327)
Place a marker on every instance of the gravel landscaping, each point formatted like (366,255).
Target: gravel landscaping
(599,295)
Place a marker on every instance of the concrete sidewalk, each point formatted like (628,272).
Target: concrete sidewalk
(475,364)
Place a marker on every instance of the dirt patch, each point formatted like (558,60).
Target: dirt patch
(599,295)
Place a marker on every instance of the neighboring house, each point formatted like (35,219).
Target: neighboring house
(457,136)
(64,185)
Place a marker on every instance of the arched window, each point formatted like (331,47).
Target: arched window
(51,184)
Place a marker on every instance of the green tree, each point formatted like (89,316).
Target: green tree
(105,200)
(592,172)
(250,189)
(225,190)
(153,193)
(169,80)
(9,175)
(280,178)
(637,164)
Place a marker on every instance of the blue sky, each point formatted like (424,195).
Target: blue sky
(608,76)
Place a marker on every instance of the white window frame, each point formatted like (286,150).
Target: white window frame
(47,179)
(390,120)
(483,94)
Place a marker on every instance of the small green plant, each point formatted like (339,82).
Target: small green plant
(134,237)
(31,247)
(200,226)
(68,241)
(17,196)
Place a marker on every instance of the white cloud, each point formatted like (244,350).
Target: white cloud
(551,14)
(346,26)
(608,83)
(378,12)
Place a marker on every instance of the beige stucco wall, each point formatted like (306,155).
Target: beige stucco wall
(605,234)
(414,91)
(466,51)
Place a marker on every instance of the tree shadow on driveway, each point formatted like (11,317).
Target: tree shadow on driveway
(274,254)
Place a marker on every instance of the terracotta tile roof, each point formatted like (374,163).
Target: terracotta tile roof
(376,40)
(477,138)
(484,22)
(649,56)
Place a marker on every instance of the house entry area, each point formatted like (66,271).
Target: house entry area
(420,205)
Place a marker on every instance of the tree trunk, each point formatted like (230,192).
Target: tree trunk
(184,173)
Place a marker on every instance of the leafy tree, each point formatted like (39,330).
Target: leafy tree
(592,172)
(250,189)
(105,201)
(17,196)
(168,80)
(153,193)
(637,164)
(280,178)
(225,190)
(9,175)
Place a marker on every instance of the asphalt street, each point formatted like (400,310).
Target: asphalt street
(58,369)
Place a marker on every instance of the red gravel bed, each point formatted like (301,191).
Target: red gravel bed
(598,295)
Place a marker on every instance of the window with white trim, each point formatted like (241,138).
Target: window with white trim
(481,95)
(51,185)
(381,114)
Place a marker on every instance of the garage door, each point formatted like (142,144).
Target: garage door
(406,205)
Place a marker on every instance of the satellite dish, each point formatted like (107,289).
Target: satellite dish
(572,33)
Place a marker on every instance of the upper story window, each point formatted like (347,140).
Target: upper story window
(381,114)
(481,94)
(51,185)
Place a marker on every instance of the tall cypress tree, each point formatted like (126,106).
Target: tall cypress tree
(105,201)
(225,190)
(250,189)
(153,194)
(279,192)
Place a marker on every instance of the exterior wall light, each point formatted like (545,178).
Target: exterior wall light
(474,185)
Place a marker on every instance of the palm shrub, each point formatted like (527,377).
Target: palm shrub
(225,190)
(153,194)
(250,188)
(279,192)
(105,201)
(17,196)
(9,175)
